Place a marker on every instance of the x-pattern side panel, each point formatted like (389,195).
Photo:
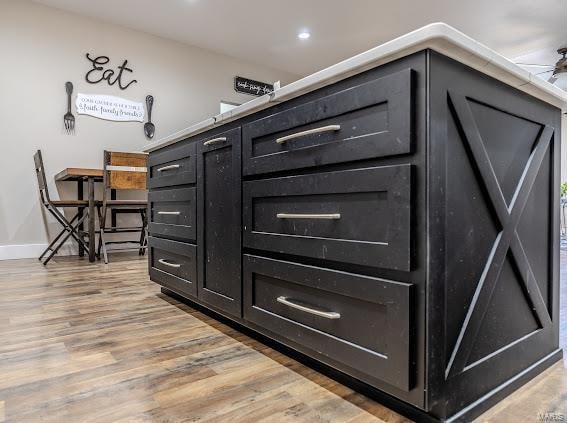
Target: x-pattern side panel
(507,239)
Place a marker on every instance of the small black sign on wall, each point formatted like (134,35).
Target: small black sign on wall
(249,86)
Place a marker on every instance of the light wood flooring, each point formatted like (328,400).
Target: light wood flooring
(82,342)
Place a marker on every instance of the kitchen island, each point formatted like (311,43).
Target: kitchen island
(393,217)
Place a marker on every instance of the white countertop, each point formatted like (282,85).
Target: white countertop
(437,36)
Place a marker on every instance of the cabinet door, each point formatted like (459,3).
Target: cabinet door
(219,221)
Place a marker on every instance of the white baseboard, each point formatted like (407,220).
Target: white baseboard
(14,252)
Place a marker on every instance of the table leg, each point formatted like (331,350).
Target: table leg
(113,211)
(81,225)
(92,252)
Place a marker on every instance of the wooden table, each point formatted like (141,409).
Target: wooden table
(80,175)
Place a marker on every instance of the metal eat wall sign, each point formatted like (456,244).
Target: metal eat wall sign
(98,73)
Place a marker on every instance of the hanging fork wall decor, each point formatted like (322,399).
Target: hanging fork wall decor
(68,118)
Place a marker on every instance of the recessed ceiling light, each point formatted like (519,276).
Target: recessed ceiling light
(303,35)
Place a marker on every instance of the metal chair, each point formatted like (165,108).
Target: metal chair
(123,171)
(70,227)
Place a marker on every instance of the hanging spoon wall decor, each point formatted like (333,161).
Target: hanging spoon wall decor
(149,127)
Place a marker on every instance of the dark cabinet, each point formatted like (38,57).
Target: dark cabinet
(399,226)
(219,217)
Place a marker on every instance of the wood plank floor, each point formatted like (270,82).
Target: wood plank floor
(82,342)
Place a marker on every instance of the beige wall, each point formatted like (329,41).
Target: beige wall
(41,48)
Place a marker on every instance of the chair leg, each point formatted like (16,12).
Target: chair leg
(102,247)
(100,221)
(142,233)
(51,244)
(103,242)
(71,230)
(147,237)
(145,249)
(66,226)
(49,247)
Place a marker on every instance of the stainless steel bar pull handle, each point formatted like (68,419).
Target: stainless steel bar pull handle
(215,141)
(166,263)
(327,128)
(173,213)
(326,314)
(329,216)
(170,167)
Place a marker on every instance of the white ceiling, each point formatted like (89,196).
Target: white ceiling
(265,31)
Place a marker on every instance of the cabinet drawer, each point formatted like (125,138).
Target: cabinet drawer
(370,120)
(173,264)
(172,213)
(176,166)
(359,321)
(355,216)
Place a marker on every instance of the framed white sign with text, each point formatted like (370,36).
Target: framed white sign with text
(108,107)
